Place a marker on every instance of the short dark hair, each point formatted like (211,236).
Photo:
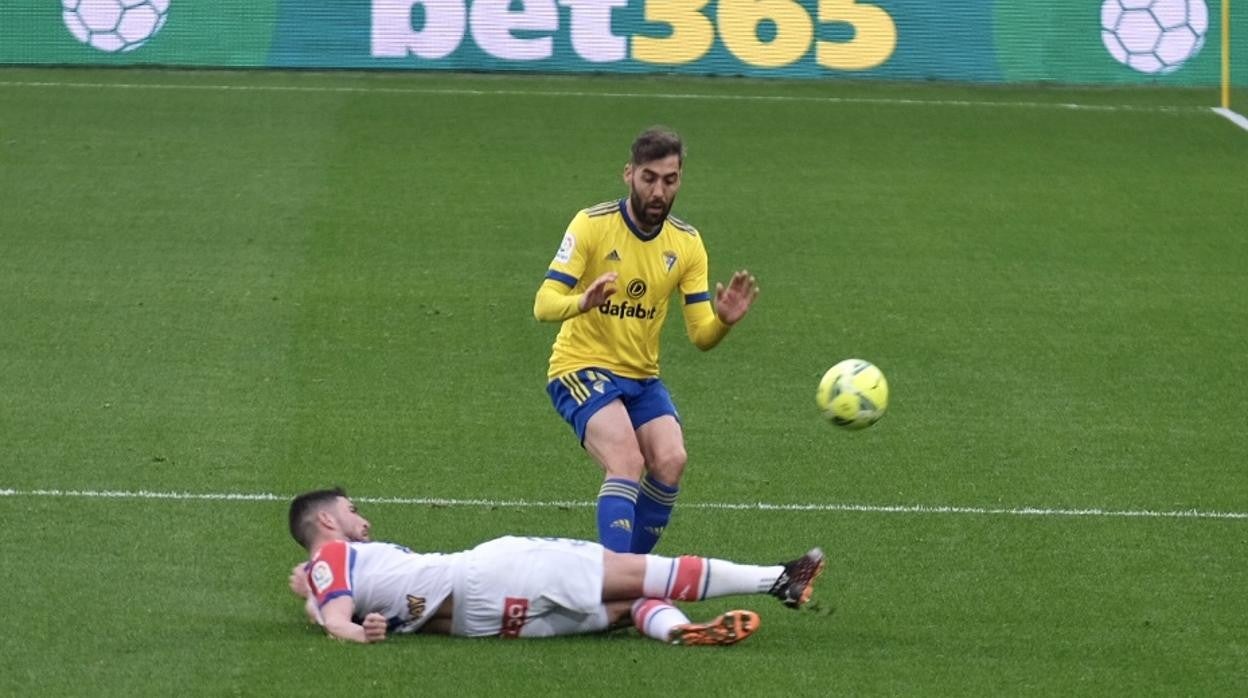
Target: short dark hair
(656,143)
(303,512)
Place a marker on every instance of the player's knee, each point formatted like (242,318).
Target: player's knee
(669,465)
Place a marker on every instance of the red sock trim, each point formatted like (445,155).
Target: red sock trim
(644,610)
(687,586)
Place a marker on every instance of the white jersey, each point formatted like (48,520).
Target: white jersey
(404,586)
(507,587)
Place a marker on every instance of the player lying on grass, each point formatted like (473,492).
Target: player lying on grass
(361,590)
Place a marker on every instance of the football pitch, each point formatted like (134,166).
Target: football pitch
(219,289)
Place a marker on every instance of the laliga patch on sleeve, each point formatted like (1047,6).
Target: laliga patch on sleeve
(322,576)
(564,254)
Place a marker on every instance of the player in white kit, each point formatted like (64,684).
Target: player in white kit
(362,590)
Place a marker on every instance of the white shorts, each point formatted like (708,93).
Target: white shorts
(529,587)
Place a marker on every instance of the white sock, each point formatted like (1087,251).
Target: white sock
(656,617)
(695,578)
(726,578)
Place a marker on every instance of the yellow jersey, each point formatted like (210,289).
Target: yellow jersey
(622,334)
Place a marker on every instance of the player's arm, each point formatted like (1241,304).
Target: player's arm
(332,596)
(707,325)
(298,582)
(557,298)
(705,330)
(336,618)
(557,302)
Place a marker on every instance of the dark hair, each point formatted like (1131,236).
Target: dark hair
(656,143)
(303,512)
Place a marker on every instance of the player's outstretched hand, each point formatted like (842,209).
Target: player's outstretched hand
(732,303)
(299,581)
(374,627)
(598,291)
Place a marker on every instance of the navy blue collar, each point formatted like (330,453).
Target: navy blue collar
(632,225)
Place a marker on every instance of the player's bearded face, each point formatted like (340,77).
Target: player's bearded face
(652,188)
(354,526)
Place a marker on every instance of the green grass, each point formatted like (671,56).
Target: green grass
(268,289)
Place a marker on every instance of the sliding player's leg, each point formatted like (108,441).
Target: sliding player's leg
(688,578)
(660,620)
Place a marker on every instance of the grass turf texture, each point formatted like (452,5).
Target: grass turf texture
(271,290)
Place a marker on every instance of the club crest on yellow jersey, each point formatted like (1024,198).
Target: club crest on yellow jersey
(669,260)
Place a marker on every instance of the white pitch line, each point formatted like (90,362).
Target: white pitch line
(464,92)
(742,506)
(1234,117)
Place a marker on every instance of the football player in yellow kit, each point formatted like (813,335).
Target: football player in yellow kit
(609,285)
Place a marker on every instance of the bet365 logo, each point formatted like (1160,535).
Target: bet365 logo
(759,33)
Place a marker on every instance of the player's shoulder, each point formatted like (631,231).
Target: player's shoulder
(682,225)
(605,208)
(598,219)
(335,549)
